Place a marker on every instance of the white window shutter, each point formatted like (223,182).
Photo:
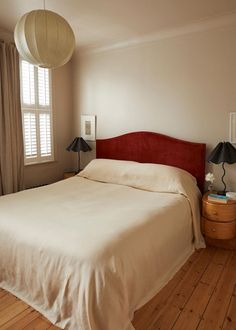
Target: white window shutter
(36,113)
(45,134)
(27,83)
(30,135)
(43,87)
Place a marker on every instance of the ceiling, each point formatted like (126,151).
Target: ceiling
(105,22)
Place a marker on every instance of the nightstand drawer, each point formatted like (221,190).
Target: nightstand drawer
(222,213)
(218,230)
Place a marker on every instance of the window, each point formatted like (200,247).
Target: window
(36,113)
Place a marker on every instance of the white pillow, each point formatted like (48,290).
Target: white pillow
(145,176)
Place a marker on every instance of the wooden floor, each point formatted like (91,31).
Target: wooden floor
(202,295)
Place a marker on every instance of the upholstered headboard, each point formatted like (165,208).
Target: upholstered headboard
(148,147)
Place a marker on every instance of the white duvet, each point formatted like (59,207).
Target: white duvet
(87,254)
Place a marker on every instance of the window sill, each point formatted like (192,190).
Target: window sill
(41,163)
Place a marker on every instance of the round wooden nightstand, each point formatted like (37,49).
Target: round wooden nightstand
(68,175)
(219,222)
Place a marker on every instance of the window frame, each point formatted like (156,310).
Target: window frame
(37,109)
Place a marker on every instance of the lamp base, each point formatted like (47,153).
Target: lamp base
(222,193)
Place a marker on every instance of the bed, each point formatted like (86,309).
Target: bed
(88,251)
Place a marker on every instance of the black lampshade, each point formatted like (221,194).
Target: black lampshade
(78,144)
(224,152)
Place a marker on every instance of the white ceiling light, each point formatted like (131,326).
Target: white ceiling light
(44,38)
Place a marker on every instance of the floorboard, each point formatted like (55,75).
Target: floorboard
(201,296)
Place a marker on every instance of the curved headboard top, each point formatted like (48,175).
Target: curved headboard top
(149,147)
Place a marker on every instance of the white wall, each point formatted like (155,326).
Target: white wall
(184,86)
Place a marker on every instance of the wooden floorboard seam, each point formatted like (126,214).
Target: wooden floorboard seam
(222,271)
(230,301)
(216,310)
(192,292)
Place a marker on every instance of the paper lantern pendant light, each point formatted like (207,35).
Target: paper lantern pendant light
(44,38)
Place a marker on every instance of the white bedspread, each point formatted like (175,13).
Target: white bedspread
(87,254)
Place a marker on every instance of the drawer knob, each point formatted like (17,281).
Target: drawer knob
(213,229)
(214,212)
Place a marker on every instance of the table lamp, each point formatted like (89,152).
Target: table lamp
(223,153)
(77,145)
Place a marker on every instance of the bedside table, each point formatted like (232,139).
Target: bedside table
(219,223)
(68,175)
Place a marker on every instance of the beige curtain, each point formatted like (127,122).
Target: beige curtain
(11,136)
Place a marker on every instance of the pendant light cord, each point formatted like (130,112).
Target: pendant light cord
(46,25)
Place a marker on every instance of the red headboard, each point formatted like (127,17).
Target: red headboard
(148,147)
